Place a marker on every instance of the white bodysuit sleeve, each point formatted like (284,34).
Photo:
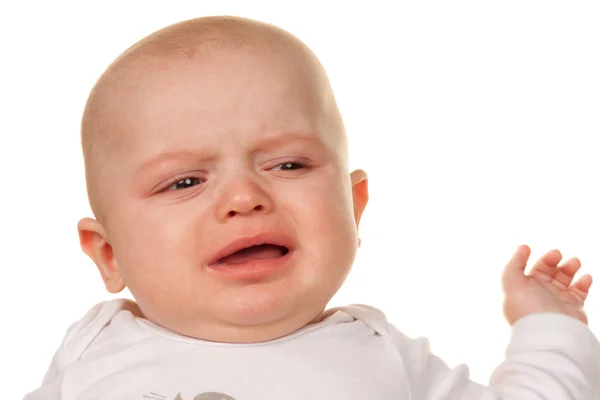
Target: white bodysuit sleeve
(549,357)
(77,339)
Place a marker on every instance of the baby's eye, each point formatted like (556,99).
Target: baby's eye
(291,166)
(185,183)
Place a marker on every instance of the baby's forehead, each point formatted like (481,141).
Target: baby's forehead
(214,97)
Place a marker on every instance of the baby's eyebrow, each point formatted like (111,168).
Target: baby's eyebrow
(171,156)
(271,141)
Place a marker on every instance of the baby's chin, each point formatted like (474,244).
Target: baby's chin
(263,319)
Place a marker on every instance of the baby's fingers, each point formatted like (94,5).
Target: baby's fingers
(545,268)
(581,287)
(564,274)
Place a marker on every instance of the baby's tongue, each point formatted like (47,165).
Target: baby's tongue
(261,252)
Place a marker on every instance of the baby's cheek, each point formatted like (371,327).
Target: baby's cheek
(148,247)
(334,227)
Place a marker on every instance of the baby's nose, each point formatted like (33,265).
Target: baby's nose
(244,210)
(243,197)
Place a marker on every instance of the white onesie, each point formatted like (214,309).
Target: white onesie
(354,353)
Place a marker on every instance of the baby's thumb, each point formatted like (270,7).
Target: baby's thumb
(514,271)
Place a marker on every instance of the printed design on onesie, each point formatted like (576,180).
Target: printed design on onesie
(201,396)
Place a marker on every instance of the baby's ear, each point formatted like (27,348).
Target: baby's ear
(360,193)
(93,241)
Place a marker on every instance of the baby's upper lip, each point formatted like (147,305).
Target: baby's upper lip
(270,237)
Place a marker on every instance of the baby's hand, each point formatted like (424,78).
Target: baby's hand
(547,288)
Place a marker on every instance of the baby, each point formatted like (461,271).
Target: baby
(217,172)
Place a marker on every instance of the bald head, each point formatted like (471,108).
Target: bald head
(104,130)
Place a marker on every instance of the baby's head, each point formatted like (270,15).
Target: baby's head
(207,136)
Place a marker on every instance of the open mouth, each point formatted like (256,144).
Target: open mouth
(253,253)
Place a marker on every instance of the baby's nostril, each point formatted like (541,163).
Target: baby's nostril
(258,208)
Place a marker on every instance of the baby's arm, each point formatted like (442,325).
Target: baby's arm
(552,353)
(550,356)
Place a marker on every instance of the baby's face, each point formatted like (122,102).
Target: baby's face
(217,150)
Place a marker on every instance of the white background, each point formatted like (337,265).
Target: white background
(477,122)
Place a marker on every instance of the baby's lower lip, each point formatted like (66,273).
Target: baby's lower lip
(253,269)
